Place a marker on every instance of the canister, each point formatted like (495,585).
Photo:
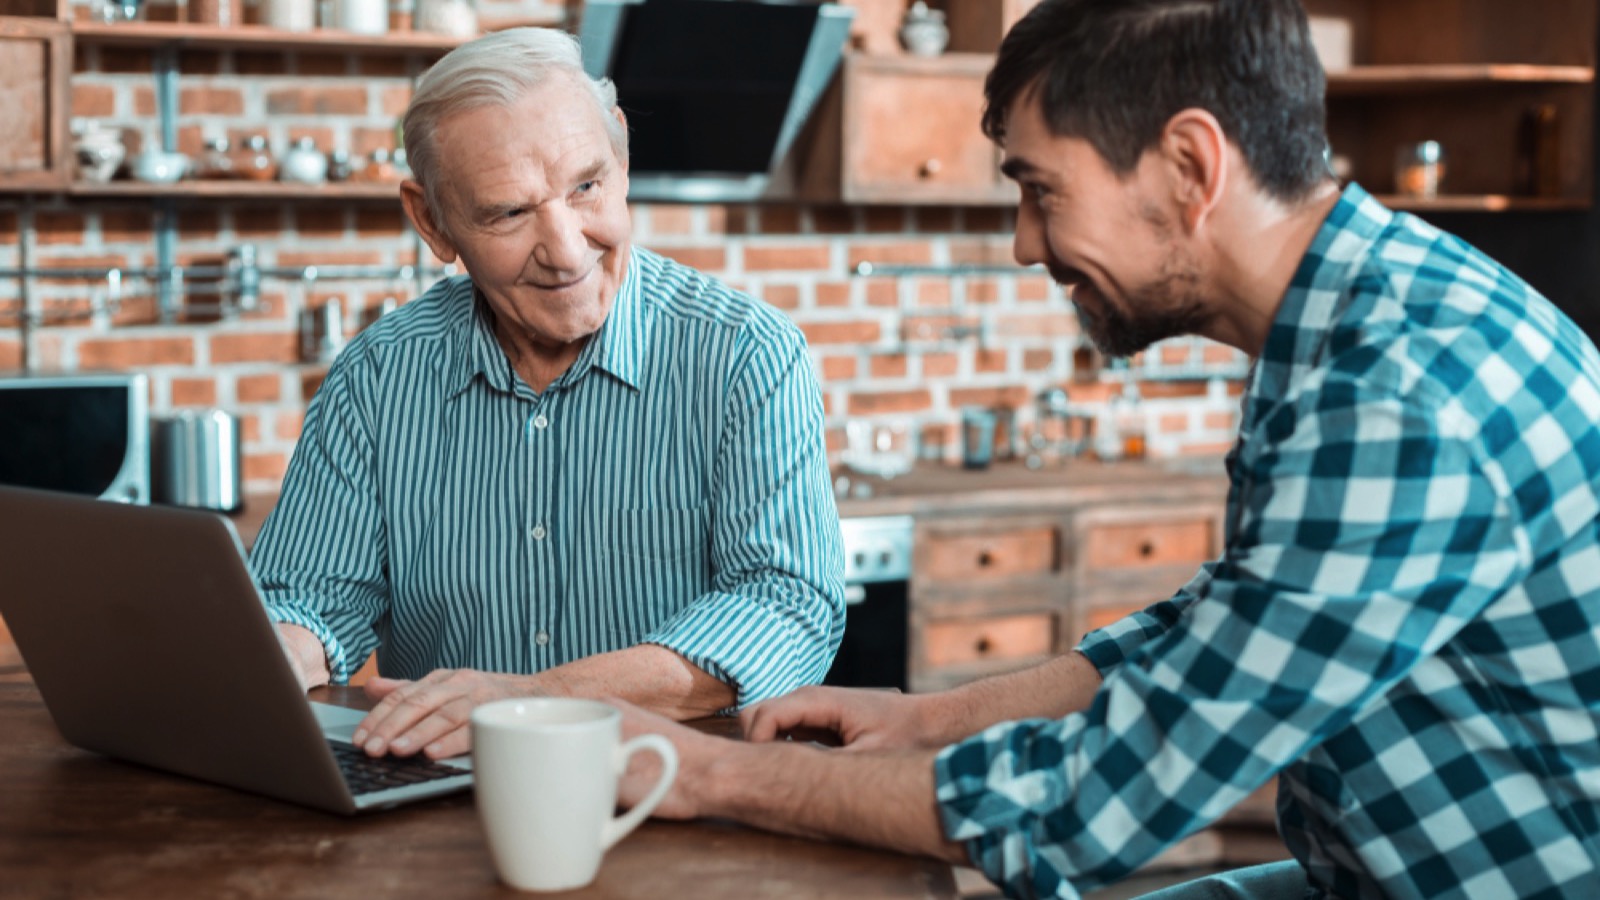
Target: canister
(196,460)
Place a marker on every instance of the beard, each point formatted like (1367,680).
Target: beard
(1171,306)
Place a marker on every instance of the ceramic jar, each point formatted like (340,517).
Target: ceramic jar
(252,161)
(303,164)
(100,152)
(289,15)
(923,32)
(454,18)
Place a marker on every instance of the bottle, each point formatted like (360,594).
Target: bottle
(1130,420)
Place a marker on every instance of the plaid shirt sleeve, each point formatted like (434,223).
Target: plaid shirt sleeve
(1366,531)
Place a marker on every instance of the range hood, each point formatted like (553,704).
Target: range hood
(716,91)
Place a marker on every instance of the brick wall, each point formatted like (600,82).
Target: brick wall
(910,350)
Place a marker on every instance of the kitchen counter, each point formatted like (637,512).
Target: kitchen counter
(943,488)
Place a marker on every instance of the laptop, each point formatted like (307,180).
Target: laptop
(147,638)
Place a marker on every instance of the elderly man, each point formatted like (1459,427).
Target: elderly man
(579,469)
(1404,625)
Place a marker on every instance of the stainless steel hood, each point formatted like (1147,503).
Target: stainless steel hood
(716,91)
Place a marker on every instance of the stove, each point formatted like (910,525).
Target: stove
(877,578)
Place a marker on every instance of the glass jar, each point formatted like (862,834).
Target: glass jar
(216,163)
(1419,169)
(222,13)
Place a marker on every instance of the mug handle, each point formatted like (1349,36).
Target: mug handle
(618,827)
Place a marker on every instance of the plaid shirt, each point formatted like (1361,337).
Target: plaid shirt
(1404,625)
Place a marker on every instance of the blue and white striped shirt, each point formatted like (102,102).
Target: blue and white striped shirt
(1404,625)
(670,488)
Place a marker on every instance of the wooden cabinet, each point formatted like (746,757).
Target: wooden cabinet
(35,62)
(996,588)
(904,130)
(1506,89)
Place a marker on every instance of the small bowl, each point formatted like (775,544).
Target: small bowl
(159,166)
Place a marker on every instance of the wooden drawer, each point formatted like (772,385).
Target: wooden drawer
(966,642)
(986,556)
(1120,545)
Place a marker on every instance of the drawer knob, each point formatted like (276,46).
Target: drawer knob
(983,646)
(985,559)
(1147,549)
(929,168)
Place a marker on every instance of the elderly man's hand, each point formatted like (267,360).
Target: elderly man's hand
(862,719)
(432,715)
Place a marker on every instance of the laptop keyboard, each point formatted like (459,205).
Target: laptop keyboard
(366,774)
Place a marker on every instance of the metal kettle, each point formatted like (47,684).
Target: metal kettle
(196,460)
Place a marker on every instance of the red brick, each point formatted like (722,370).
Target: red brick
(1052,325)
(991,359)
(706,259)
(983,291)
(936,328)
(1220,354)
(716,220)
(888,365)
(262,346)
(126,60)
(93,100)
(1090,393)
(1174,354)
(1206,448)
(833,293)
(210,101)
(940,365)
(319,220)
(977,219)
(885,219)
(265,467)
(8,227)
(1035,360)
(325,64)
(1172,389)
(59,227)
(852,332)
(933,293)
(1014,396)
(779,220)
(199,62)
(393,100)
(380,221)
(289,425)
(789,257)
(310,382)
(124,226)
(904,253)
(250,63)
(884,402)
(250,429)
(671,218)
(194,392)
(257,388)
(131,353)
(935,219)
(10,354)
(137,310)
(983,251)
(296,259)
(321,138)
(317,101)
(1217,421)
(199,224)
(258,222)
(1172,423)
(838,368)
(883,292)
(379,65)
(783,296)
(144,105)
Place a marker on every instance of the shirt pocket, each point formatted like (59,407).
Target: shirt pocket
(658,535)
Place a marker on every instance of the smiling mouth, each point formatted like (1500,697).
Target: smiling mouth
(561,285)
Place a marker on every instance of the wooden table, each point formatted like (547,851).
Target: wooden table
(75,824)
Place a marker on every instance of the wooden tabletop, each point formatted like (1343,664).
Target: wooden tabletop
(75,824)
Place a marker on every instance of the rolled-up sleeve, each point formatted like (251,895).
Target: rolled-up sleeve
(774,616)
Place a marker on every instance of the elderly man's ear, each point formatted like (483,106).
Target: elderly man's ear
(426,220)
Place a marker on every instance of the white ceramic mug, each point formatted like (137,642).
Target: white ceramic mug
(545,771)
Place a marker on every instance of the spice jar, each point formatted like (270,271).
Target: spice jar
(222,13)
(1419,169)
(253,161)
(217,162)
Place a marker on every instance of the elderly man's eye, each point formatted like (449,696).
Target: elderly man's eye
(586,187)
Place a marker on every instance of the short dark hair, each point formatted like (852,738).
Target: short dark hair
(1114,72)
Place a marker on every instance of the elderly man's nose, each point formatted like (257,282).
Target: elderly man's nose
(562,244)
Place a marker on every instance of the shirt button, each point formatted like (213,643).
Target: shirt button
(538,532)
(540,421)
(542,638)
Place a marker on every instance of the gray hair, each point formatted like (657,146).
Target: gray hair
(497,69)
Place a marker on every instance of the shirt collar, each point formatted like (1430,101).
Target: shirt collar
(1319,290)
(617,348)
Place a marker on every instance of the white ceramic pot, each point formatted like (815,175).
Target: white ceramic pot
(303,164)
(159,166)
(99,154)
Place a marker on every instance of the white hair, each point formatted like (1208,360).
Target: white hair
(498,69)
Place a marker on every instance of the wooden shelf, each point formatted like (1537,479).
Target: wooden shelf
(1484,203)
(236,190)
(1404,78)
(258,37)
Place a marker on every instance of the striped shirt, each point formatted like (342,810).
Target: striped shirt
(670,488)
(1404,625)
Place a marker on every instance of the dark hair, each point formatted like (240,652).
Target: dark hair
(1114,72)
